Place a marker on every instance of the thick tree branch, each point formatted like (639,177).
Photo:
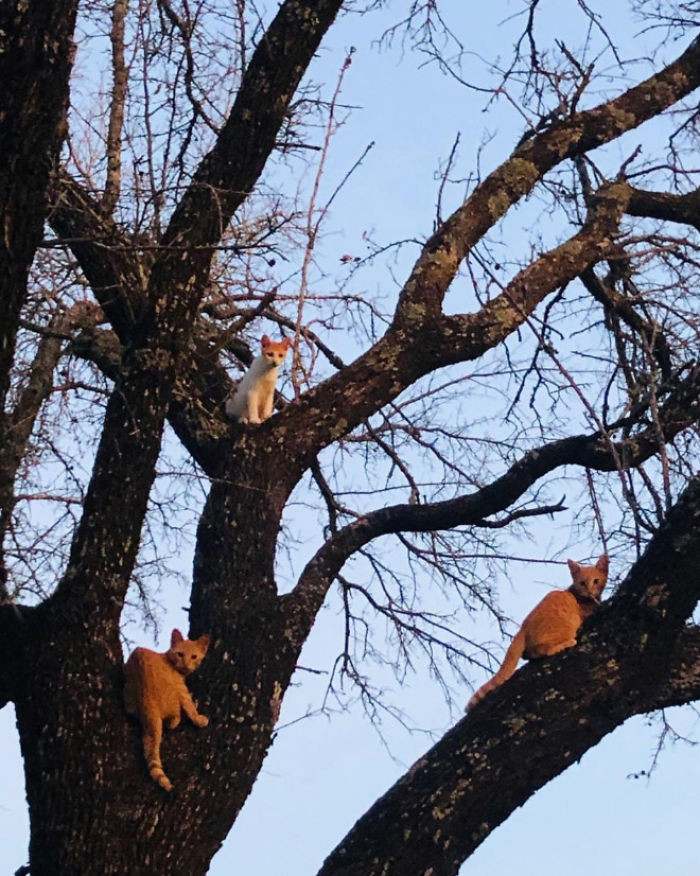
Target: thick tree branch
(102,348)
(108,256)
(229,172)
(421,338)
(35,63)
(506,312)
(596,451)
(684,209)
(636,657)
(576,135)
(397,360)
(223,180)
(105,545)
(34,66)
(13,630)
(118,275)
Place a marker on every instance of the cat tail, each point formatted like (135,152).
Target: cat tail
(510,662)
(232,407)
(152,735)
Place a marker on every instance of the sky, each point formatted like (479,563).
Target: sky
(323,772)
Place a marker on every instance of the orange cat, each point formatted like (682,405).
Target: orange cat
(253,400)
(553,623)
(155,692)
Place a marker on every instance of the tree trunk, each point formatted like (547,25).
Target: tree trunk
(35,63)
(93,807)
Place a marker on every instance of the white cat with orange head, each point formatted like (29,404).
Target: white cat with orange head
(253,400)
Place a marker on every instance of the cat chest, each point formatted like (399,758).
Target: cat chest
(170,697)
(266,381)
(163,691)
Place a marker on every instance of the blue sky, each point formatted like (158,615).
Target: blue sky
(323,772)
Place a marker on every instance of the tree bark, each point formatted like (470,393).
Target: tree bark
(93,808)
(635,655)
(35,62)
(75,741)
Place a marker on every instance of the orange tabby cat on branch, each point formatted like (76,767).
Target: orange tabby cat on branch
(156,693)
(553,623)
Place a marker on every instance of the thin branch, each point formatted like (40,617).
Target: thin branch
(594,451)
(120,74)
(554,709)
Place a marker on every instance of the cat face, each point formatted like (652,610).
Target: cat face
(185,655)
(588,581)
(274,351)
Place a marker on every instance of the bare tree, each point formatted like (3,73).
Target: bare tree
(160,263)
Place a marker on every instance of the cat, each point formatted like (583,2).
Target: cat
(155,692)
(253,400)
(553,623)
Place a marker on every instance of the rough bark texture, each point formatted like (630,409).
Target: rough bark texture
(637,656)
(74,743)
(93,809)
(35,61)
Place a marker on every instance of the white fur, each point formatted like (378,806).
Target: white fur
(253,400)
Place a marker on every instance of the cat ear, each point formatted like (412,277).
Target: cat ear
(574,568)
(603,563)
(265,341)
(204,642)
(176,638)
(286,343)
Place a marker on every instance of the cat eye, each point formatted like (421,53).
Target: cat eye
(180,653)
(596,580)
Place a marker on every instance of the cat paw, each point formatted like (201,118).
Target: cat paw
(201,721)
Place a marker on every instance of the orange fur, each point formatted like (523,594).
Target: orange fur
(553,623)
(156,693)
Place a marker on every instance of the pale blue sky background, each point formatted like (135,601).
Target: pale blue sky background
(322,774)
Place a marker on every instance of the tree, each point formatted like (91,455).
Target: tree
(172,248)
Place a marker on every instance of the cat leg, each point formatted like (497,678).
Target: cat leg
(189,708)
(251,408)
(561,646)
(152,735)
(172,721)
(267,405)
(547,649)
